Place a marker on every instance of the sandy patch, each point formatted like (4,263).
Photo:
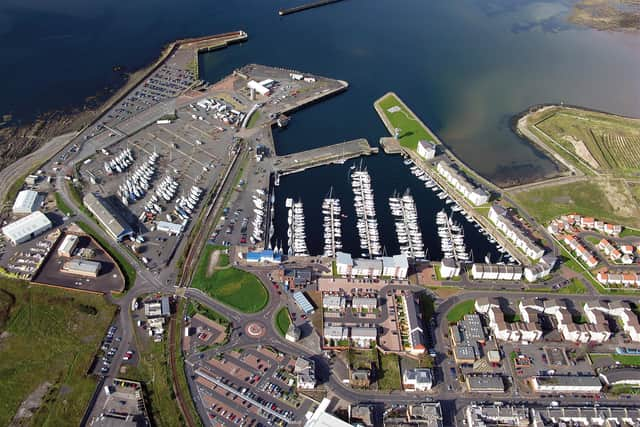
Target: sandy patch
(581,150)
(30,405)
(213,262)
(620,198)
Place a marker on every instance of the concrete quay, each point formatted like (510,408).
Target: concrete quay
(337,153)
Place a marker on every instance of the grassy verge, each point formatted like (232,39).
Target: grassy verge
(236,288)
(627,359)
(630,232)
(17,185)
(154,371)
(459,310)
(389,372)
(254,119)
(575,287)
(51,335)
(62,205)
(181,379)
(195,307)
(127,269)
(427,306)
(283,320)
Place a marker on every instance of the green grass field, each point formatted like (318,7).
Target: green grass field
(586,198)
(236,288)
(389,373)
(458,311)
(283,320)
(411,130)
(126,268)
(51,335)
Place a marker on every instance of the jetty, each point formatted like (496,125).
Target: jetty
(303,7)
(336,153)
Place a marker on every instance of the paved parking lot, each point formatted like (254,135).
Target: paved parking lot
(253,386)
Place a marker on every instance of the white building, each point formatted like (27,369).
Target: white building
(344,264)
(414,324)
(321,418)
(496,272)
(261,89)
(81,267)
(293,333)
(417,379)
(333,302)
(426,149)
(367,303)
(26,202)
(363,337)
(395,267)
(337,333)
(27,228)
(68,245)
(499,216)
(540,270)
(305,371)
(366,267)
(566,384)
(476,195)
(449,268)
(169,227)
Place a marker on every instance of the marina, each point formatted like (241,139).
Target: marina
(408,231)
(296,233)
(332,226)
(452,238)
(364,204)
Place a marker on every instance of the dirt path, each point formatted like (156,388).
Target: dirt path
(213,262)
(582,151)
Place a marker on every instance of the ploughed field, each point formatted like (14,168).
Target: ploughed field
(607,143)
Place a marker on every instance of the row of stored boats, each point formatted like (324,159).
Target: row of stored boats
(296,233)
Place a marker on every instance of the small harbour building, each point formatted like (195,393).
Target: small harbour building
(115,226)
(68,245)
(27,228)
(81,267)
(26,202)
(426,149)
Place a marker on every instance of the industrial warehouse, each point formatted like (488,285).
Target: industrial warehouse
(110,220)
(27,228)
(27,201)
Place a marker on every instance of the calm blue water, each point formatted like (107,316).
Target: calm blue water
(465,67)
